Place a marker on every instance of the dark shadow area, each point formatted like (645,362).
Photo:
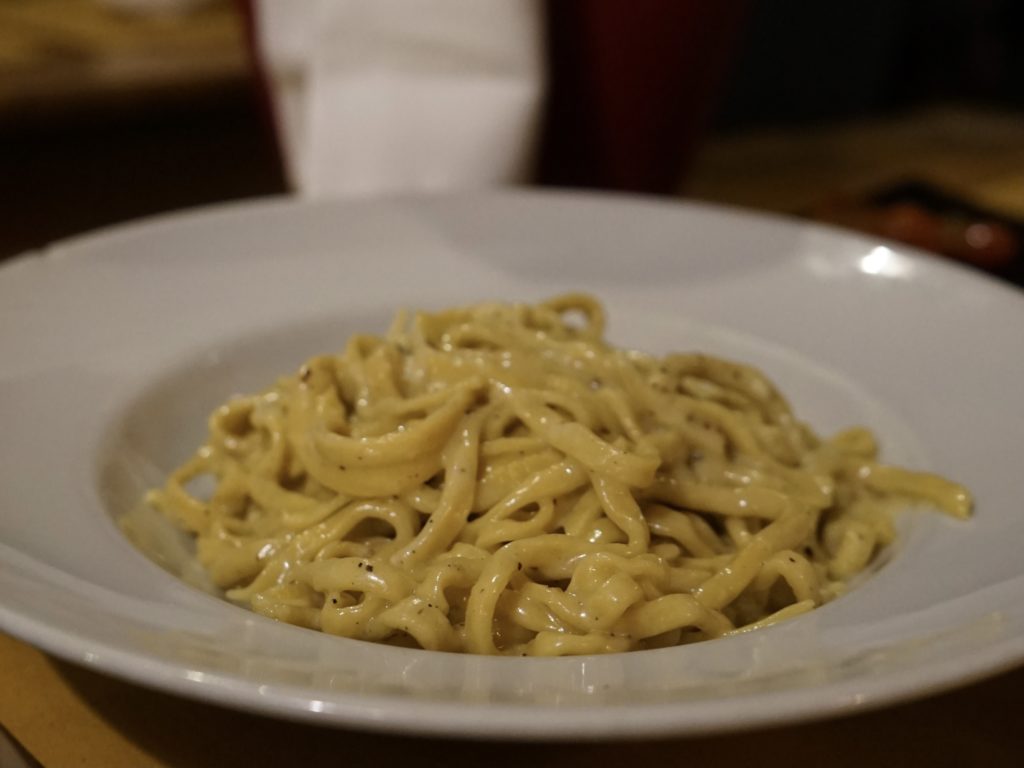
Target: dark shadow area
(802,62)
(74,170)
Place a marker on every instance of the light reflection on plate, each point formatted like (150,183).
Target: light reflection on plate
(116,346)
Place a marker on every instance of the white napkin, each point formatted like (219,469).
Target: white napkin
(375,96)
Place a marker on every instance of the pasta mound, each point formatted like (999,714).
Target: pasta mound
(497,479)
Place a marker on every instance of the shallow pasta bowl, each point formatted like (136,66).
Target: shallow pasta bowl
(116,346)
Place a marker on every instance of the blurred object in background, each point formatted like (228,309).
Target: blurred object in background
(156,7)
(633,88)
(58,56)
(114,109)
(925,177)
(926,217)
(108,115)
(394,96)
(899,117)
(437,95)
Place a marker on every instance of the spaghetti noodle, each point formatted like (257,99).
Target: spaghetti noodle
(497,479)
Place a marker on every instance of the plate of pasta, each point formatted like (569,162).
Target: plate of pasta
(517,465)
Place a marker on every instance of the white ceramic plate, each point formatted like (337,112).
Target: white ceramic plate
(115,346)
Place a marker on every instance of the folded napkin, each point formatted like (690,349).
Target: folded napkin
(377,96)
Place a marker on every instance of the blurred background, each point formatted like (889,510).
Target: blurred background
(899,117)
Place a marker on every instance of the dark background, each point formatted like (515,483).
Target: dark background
(72,162)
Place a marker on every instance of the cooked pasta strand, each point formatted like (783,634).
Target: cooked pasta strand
(497,479)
